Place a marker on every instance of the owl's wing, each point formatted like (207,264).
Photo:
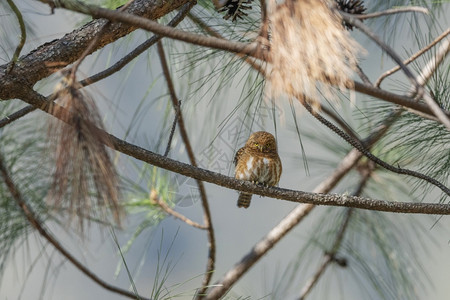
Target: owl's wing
(238,155)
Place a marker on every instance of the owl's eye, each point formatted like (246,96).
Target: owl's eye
(256,144)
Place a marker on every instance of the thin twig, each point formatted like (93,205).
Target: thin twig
(427,71)
(174,125)
(363,75)
(155,198)
(329,256)
(23,35)
(206,210)
(37,224)
(434,63)
(16,115)
(412,58)
(349,18)
(392,11)
(437,111)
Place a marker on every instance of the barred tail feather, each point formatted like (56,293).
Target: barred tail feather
(244,200)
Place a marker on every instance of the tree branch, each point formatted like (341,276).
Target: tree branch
(360,146)
(393,11)
(55,55)
(405,101)
(287,223)
(199,22)
(155,198)
(23,35)
(127,18)
(37,224)
(437,111)
(206,211)
(412,58)
(34,98)
(111,70)
(138,50)
(329,256)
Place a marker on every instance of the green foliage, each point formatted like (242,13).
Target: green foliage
(23,148)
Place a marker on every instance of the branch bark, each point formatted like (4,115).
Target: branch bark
(34,98)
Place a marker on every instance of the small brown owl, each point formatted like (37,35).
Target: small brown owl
(257,161)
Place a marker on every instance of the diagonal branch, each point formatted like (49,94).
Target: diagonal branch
(330,256)
(138,50)
(211,31)
(412,58)
(37,224)
(360,146)
(93,43)
(206,210)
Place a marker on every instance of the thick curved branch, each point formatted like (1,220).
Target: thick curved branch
(34,98)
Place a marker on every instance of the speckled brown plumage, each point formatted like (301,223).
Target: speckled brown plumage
(257,161)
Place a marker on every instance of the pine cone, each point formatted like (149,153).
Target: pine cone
(355,7)
(234,9)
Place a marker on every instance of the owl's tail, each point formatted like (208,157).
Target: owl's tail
(244,200)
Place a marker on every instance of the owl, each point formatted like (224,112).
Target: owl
(258,162)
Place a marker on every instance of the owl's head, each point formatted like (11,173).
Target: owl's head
(262,141)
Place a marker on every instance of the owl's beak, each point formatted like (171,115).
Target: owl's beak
(261,148)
